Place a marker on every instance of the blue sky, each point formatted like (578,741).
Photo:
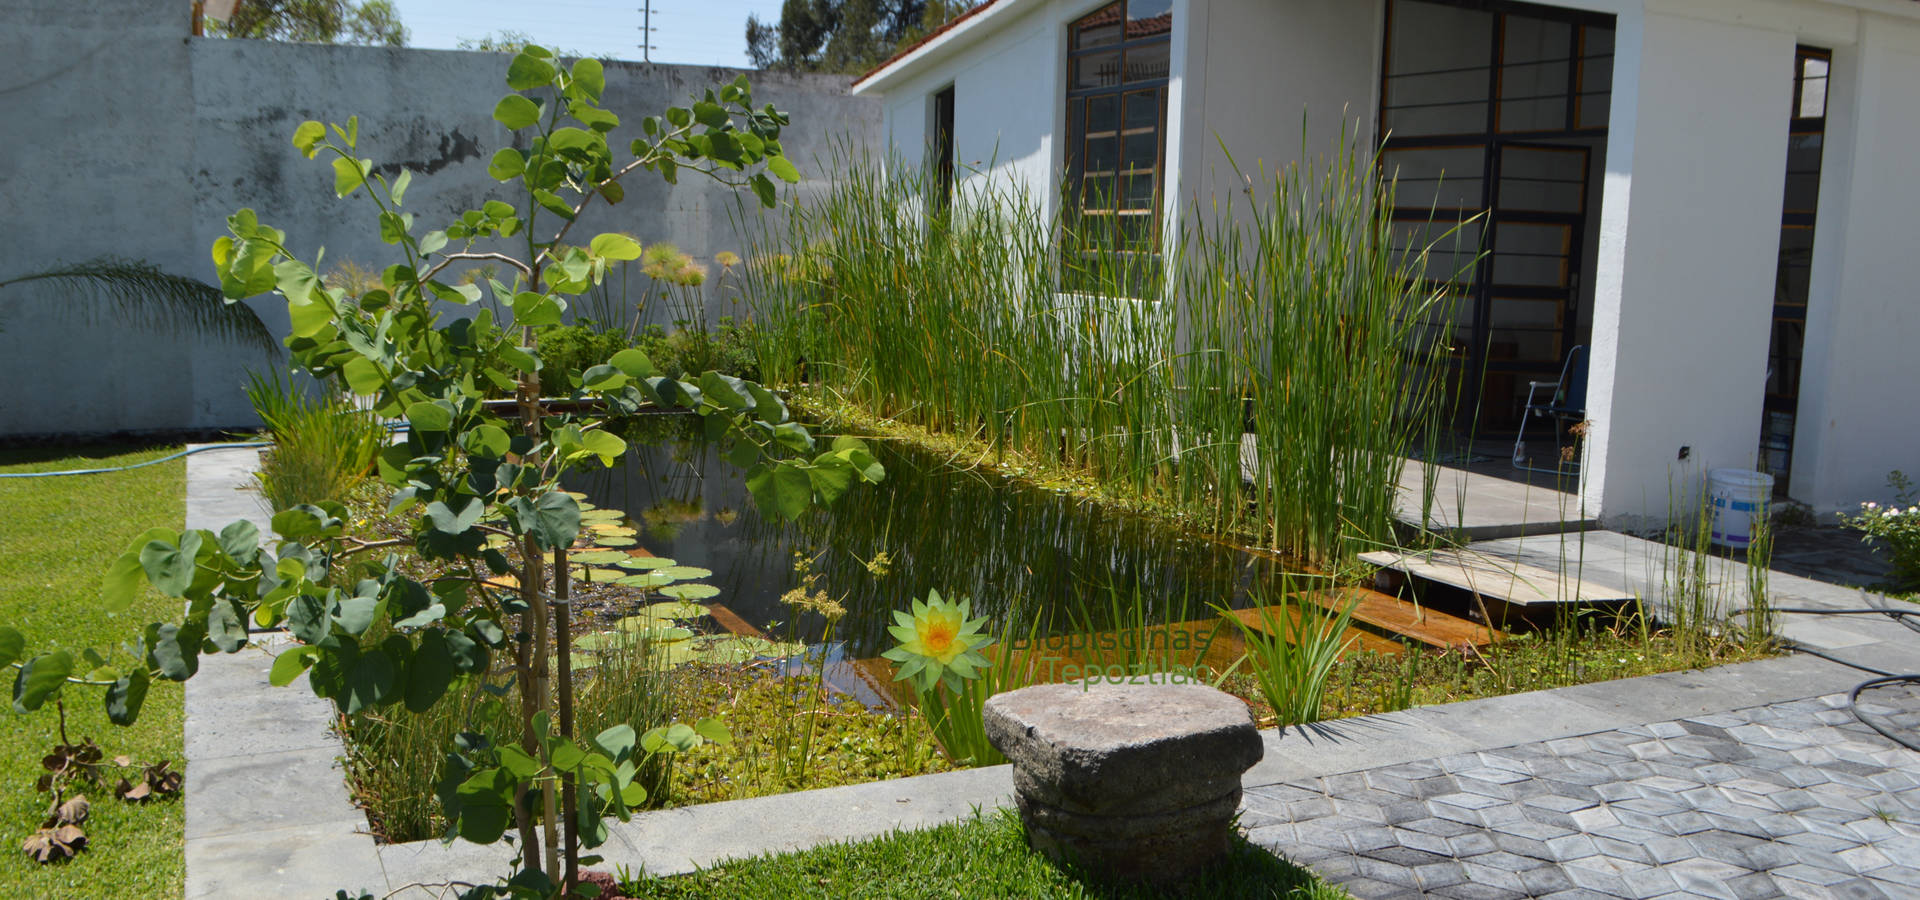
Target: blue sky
(702,32)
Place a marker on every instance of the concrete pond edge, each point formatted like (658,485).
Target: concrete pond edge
(267,807)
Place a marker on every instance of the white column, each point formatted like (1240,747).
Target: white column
(1858,416)
(1690,235)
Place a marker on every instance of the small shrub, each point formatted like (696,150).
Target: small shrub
(1898,525)
(727,349)
(575,348)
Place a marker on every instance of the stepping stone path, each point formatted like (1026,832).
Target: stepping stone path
(1135,782)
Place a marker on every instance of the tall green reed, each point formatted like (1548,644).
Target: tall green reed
(1704,590)
(1264,372)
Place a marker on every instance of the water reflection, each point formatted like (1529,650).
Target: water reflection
(1042,556)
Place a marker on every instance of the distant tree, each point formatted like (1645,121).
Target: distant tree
(368,22)
(846,36)
(507,40)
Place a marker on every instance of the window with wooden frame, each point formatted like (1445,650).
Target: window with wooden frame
(1118,60)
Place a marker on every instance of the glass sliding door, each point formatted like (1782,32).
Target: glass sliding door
(1493,113)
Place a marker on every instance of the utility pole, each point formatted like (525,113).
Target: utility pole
(646,32)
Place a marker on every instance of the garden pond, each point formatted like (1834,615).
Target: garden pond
(1025,556)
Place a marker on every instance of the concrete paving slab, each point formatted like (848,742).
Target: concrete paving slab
(220,488)
(303,861)
(1481,507)
(266,791)
(1495,577)
(1671,695)
(1519,718)
(432,862)
(1343,745)
(232,710)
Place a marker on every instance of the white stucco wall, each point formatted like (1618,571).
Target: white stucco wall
(1690,241)
(1680,349)
(99,116)
(145,140)
(1857,417)
(1009,98)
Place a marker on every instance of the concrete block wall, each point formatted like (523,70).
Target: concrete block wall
(135,139)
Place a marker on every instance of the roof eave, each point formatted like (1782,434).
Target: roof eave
(969,27)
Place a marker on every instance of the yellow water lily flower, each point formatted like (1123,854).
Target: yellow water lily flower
(937,643)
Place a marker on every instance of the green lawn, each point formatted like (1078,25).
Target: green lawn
(56,537)
(986,857)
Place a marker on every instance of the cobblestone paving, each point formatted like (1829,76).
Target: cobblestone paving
(1790,800)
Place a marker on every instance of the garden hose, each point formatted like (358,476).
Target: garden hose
(1882,678)
(150,462)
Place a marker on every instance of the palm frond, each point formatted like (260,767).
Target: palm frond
(137,289)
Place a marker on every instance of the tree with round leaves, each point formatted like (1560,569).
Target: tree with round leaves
(480,485)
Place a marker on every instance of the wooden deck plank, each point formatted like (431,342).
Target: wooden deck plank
(1363,641)
(1495,578)
(732,622)
(1410,620)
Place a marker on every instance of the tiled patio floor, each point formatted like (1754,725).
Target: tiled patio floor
(1794,799)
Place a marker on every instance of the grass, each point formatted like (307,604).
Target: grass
(985,857)
(59,534)
(1592,649)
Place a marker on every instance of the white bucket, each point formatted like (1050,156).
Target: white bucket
(1737,496)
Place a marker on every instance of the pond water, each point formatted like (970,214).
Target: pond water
(1013,549)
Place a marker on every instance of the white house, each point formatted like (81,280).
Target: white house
(1716,196)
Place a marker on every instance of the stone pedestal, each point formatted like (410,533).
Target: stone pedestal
(1134,782)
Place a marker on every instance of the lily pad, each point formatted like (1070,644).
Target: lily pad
(575,495)
(736,648)
(686,573)
(601,515)
(690,591)
(602,641)
(657,613)
(648,628)
(611,528)
(645,563)
(599,557)
(645,580)
(605,573)
(612,541)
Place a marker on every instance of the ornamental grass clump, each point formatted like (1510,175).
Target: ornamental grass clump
(323,447)
(1294,646)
